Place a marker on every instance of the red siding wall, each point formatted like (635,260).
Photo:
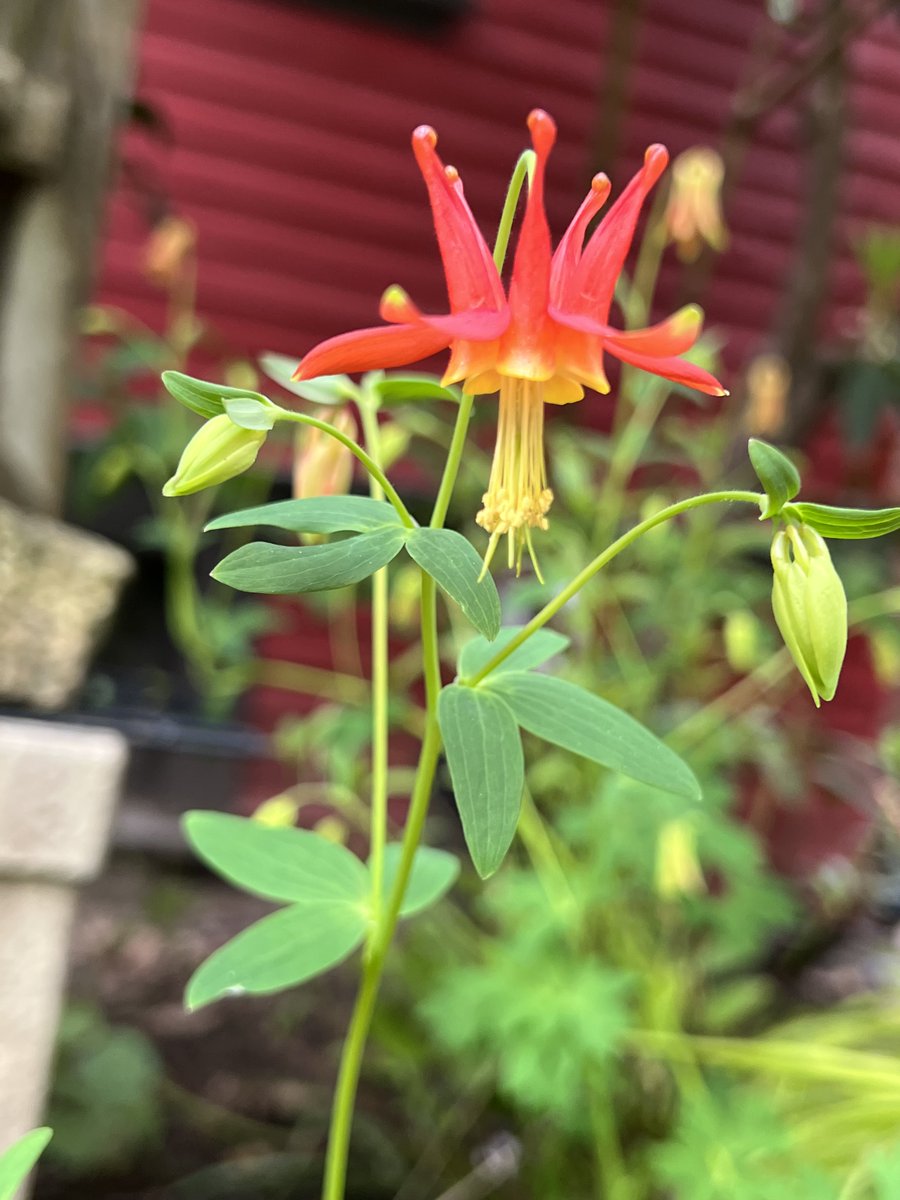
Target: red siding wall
(291,149)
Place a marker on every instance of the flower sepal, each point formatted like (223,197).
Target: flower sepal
(219,450)
(776,473)
(810,607)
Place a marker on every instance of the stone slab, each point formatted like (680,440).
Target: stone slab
(58,788)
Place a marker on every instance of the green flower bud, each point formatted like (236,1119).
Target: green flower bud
(810,607)
(219,450)
(678,870)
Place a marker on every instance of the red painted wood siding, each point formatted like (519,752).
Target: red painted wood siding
(291,149)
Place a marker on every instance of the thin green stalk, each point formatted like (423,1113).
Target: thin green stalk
(380,685)
(630,444)
(552,607)
(312,681)
(543,857)
(383,932)
(454,458)
(646,270)
(379,944)
(375,472)
(612,1176)
(524,167)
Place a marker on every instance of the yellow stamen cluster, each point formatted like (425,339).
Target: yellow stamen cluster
(517,499)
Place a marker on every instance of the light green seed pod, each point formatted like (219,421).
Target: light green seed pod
(810,607)
(218,451)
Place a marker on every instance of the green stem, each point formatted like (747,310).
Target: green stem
(629,447)
(380,941)
(543,857)
(380,684)
(524,167)
(646,270)
(597,564)
(383,932)
(611,1177)
(454,458)
(375,472)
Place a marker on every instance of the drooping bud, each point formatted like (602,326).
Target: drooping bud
(768,385)
(279,812)
(693,214)
(810,607)
(218,451)
(678,870)
(323,466)
(169,250)
(740,634)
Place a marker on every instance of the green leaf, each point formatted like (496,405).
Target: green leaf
(320,514)
(285,570)
(455,565)
(484,753)
(433,874)
(410,388)
(777,474)
(540,646)
(249,413)
(280,951)
(568,716)
(276,863)
(327,389)
(207,399)
(17,1161)
(846,522)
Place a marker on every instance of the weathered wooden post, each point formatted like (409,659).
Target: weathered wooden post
(65,76)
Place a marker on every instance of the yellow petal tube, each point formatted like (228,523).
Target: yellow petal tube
(517,499)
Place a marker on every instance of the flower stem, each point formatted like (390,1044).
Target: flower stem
(524,167)
(380,684)
(383,932)
(596,564)
(372,467)
(454,458)
(388,914)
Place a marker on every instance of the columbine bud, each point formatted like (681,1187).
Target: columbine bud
(768,385)
(168,251)
(810,607)
(693,214)
(678,870)
(280,812)
(219,450)
(323,466)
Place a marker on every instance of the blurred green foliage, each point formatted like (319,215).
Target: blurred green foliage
(106,1106)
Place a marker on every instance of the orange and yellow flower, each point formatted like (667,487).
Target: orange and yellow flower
(542,342)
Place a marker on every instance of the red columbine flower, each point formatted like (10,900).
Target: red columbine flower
(543,343)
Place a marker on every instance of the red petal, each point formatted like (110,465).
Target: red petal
(368,349)
(675,335)
(592,286)
(529,289)
(678,370)
(477,325)
(568,252)
(472,279)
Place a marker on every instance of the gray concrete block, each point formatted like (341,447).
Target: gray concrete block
(58,789)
